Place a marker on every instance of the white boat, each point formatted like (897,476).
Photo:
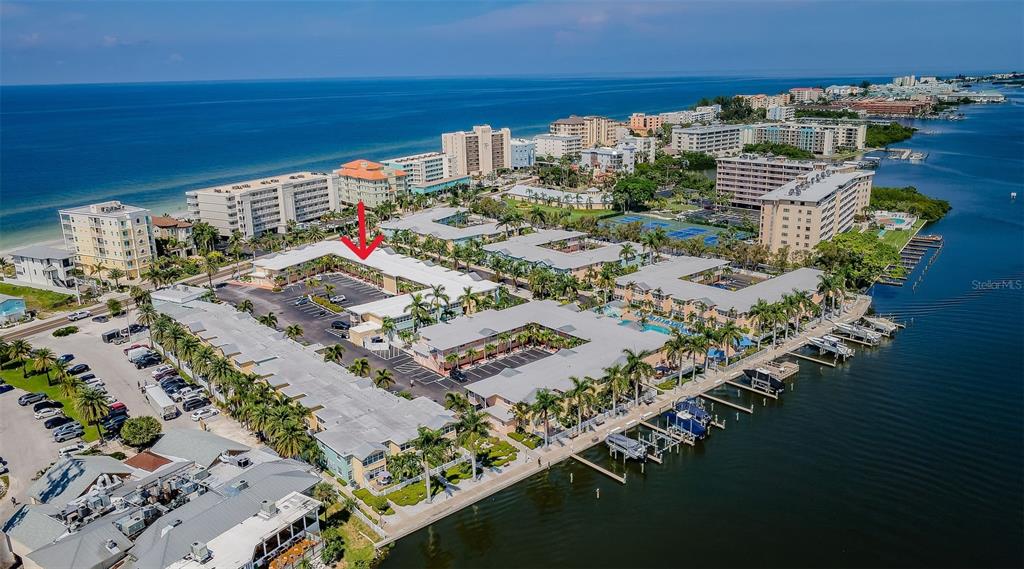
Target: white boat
(830,343)
(859,332)
(882,325)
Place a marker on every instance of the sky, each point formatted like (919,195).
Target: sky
(141,41)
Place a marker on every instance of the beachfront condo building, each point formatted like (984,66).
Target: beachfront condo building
(109,235)
(702,114)
(747,177)
(592,130)
(813,208)
(428,173)
(806,94)
(717,140)
(762,101)
(647,124)
(558,145)
(824,138)
(263,205)
(786,113)
(369,182)
(480,151)
(524,153)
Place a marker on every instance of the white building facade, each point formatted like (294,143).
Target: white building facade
(558,145)
(480,151)
(110,235)
(524,153)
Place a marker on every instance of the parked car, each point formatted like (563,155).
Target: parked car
(134,346)
(111,336)
(100,318)
(340,325)
(4,387)
(194,403)
(187,393)
(118,406)
(77,369)
(30,398)
(65,358)
(78,315)
(69,427)
(48,412)
(301,301)
(172,388)
(113,422)
(148,361)
(205,413)
(166,375)
(337,299)
(171,380)
(71,449)
(87,377)
(47,404)
(62,436)
(95,383)
(54,422)
(457,374)
(162,369)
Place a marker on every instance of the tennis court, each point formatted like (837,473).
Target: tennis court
(674,229)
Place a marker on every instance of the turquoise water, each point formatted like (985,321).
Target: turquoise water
(908,456)
(649,327)
(146,144)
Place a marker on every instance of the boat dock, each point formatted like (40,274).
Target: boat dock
(752,389)
(728,403)
(602,470)
(796,354)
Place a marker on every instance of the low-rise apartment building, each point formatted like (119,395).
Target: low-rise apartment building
(813,208)
(806,94)
(369,182)
(640,122)
(644,147)
(717,140)
(558,145)
(254,207)
(561,251)
(591,198)
(780,113)
(603,159)
(701,114)
(524,153)
(42,266)
(747,177)
(480,151)
(428,173)
(176,232)
(592,130)
(824,138)
(762,101)
(109,235)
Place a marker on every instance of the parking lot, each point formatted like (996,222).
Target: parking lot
(29,447)
(495,366)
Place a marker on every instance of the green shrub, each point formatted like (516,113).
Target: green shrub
(327,304)
(459,472)
(528,440)
(65,331)
(378,503)
(140,431)
(498,453)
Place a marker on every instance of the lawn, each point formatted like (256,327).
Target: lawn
(900,238)
(359,550)
(525,207)
(378,503)
(528,440)
(37,382)
(42,301)
(496,452)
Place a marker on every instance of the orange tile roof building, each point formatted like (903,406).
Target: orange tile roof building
(369,182)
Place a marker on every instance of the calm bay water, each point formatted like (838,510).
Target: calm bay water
(147,144)
(910,455)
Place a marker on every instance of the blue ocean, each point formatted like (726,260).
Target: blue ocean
(146,144)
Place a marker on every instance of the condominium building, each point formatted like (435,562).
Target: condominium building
(592,130)
(263,205)
(639,122)
(762,101)
(369,182)
(702,114)
(836,91)
(747,177)
(813,208)
(880,106)
(806,94)
(428,172)
(558,145)
(604,159)
(524,153)
(717,140)
(480,151)
(111,235)
(644,147)
(822,138)
(780,113)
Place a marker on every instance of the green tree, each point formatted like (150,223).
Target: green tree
(384,379)
(115,307)
(91,405)
(293,331)
(433,447)
(472,428)
(334,353)
(43,360)
(140,431)
(545,404)
(360,367)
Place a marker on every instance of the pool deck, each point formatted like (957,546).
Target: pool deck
(407,520)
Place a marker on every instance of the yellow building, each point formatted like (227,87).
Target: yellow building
(110,235)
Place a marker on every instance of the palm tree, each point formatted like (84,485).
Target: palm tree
(729,334)
(468,300)
(91,405)
(761,314)
(581,393)
(43,360)
(289,437)
(269,319)
(384,379)
(627,253)
(245,306)
(636,369)
(523,414)
(360,367)
(147,316)
(211,264)
(433,446)
(676,349)
(545,403)
(20,350)
(438,299)
(457,402)
(67,384)
(116,274)
(334,353)
(418,310)
(471,428)
(293,331)
(388,327)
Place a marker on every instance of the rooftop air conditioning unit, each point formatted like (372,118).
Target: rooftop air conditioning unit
(200,552)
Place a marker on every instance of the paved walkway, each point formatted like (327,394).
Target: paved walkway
(409,520)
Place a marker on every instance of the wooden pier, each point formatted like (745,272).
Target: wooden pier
(728,403)
(752,390)
(605,471)
(815,360)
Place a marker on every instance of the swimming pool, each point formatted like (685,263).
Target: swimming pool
(649,327)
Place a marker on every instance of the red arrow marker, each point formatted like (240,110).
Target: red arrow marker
(362,250)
